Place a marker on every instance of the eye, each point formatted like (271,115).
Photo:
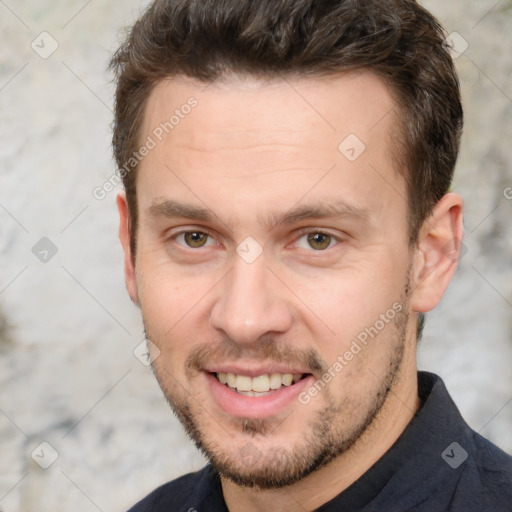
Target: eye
(194,239)
(317,241)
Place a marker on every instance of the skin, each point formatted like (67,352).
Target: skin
(248,154)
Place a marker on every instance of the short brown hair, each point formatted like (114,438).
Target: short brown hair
(396,39)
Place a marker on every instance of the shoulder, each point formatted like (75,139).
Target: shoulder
(472,473)
(492,466)
(175,495)
(485,482)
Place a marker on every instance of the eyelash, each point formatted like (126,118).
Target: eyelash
(308,231)
(183,233)
(302,233)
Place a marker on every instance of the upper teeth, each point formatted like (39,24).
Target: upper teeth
(259,384)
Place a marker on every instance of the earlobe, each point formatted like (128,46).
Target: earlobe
(437,253)
(125,236)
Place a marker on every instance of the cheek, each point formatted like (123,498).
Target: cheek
(164,305)
(348,307)
(166,321)
(352,299)
(174,306)
(163,289)
(159,298)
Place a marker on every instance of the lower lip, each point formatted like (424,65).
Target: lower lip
(251,407)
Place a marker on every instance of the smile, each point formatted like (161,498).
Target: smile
(258,395)
(260,385)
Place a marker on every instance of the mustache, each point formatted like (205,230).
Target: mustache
(266,351)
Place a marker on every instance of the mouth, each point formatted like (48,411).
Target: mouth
(261,385)
(260,395)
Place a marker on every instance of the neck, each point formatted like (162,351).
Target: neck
(324,484)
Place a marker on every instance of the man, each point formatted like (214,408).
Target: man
(286,223)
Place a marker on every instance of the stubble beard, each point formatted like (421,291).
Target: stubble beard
(323,437)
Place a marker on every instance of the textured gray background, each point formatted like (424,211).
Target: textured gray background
(68,375)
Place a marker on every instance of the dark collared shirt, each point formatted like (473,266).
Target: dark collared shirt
(438,464)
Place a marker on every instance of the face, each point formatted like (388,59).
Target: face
(272,266)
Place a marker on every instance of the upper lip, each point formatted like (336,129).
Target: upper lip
(253,370)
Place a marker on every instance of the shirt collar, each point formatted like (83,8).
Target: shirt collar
(412,469)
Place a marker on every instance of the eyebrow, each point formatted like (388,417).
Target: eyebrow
(171,208)
(336,209)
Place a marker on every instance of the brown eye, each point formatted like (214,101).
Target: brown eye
(319,241)
(195,238)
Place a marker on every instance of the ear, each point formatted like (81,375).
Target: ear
(130,277)
(437,253)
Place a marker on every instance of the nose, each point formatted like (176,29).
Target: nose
(251,303)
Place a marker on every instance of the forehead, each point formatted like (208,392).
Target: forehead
(271,140)
(238,111)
